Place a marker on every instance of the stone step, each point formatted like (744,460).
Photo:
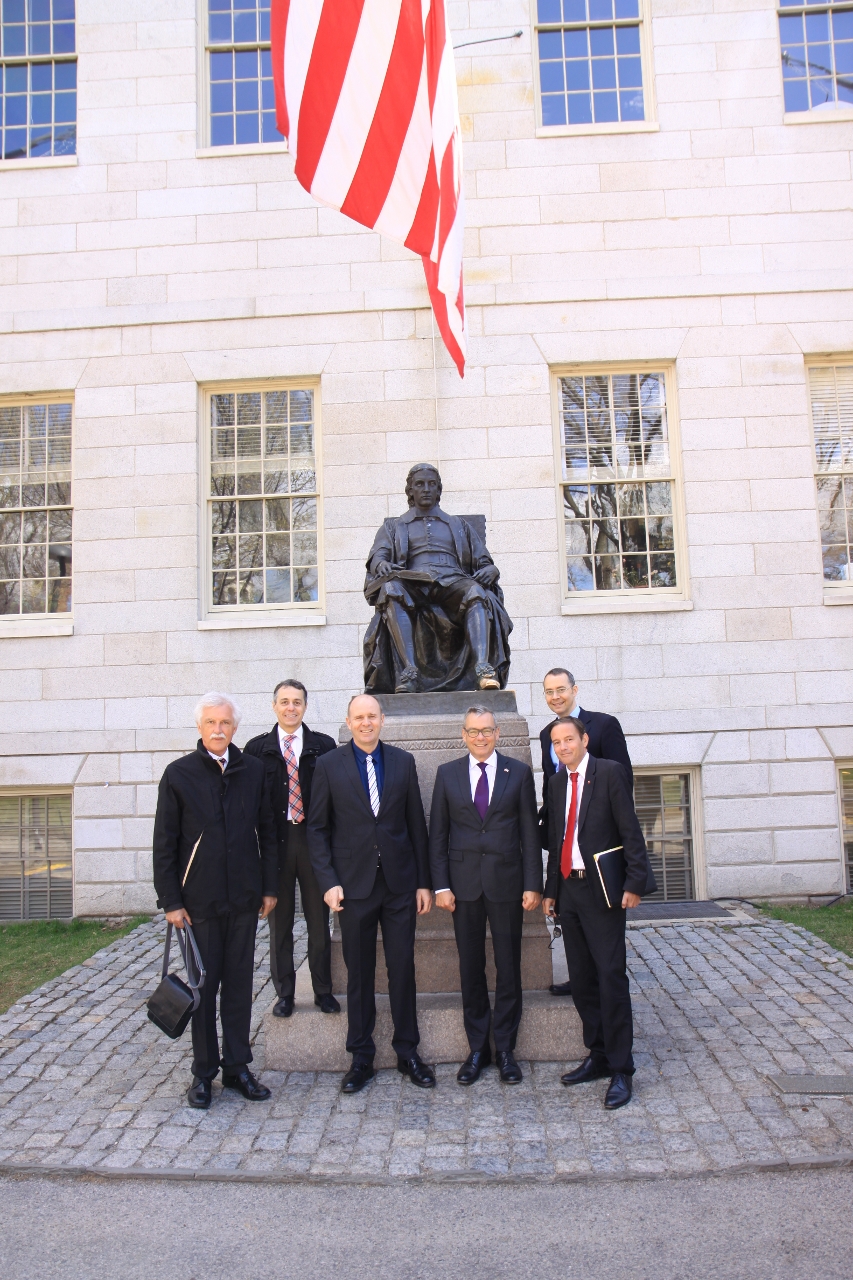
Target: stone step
(437,959)
(309,1040)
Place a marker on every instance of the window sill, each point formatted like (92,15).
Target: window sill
(838,595)
(578,130)
(40,162)
(818,117)
(244,149)
(626,604)
(22,628)
(246,621)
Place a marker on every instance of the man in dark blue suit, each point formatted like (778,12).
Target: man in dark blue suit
(367,838)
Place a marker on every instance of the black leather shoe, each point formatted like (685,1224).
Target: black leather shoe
(508,1067)
(283,1008)
(618,1092)
(560,988)
(473,1066)
(244,1082)
(198,1094)
(589,1069)
(327,1004)
(418,1072)
(357,1077)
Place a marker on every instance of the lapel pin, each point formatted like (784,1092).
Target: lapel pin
(506,770)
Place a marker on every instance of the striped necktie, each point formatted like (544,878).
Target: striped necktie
(372,786)
(297,813)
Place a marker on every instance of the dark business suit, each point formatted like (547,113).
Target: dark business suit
(294,864)
(379,862)
(593,933)
(488,865)
(605,741)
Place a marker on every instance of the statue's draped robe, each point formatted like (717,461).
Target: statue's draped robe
(443,656)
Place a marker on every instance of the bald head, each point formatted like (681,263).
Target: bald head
(365,721)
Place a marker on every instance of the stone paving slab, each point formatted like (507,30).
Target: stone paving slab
(87,1084)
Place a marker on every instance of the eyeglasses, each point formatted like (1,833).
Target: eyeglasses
(480,733)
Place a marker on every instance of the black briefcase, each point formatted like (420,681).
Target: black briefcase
(174,1002)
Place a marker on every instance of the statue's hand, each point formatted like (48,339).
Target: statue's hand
(488,575)
(383,569)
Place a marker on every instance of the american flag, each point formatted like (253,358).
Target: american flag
(366,97)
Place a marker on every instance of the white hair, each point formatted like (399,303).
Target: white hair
(214,699)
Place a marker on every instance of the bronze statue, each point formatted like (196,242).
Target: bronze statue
(440,621)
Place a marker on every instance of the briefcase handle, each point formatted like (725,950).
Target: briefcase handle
(201,973)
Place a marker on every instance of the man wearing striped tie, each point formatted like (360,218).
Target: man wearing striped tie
(367,838)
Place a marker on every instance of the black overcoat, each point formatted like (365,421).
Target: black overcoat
(265,747)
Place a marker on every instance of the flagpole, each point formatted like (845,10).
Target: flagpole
(435,393)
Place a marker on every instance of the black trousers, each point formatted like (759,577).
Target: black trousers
(227,947)
(469,923)
(359,920)
(594,938)
(296,865)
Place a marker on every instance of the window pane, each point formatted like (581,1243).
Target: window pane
(38,102)
(582,58)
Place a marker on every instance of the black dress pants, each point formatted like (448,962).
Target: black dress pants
(359,921)
(594,938)
(469,923)
(227,947)
(296,865)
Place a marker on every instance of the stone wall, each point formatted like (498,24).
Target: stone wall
(720,243)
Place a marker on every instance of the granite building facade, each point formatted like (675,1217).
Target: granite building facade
(211,390)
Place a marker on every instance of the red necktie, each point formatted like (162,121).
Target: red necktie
(569,838)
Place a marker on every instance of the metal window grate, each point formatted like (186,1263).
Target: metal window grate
(663,808)
(847,823)
(35,858)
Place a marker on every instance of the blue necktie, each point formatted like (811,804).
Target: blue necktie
(481,794)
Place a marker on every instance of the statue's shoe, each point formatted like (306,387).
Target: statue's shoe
(485,676)
(408,682)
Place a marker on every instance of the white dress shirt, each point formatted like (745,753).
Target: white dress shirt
(295,747)
(578,863)
(219,759)
(474,775)
(575,711)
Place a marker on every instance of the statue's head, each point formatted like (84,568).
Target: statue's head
(423,485)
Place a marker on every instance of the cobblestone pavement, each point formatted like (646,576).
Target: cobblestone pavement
(87,1083)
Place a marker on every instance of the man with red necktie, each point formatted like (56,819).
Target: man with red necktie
(485,859)
(591,812)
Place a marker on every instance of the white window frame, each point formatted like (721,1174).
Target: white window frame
(834,593)
(204,151)
(697,819)
(836,115)
(649,125)
(248,616)
(31,625)
(643,599)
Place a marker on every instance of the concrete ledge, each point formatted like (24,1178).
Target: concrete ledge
(313,1041)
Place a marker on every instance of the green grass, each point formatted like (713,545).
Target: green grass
(834,924)
(38,950)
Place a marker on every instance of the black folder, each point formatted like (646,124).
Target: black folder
(610,866)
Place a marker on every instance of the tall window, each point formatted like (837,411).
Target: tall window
(35,509)
(590,64)
(817,53)
(662,801)
(831,388)
(847,824)
(38,79)
(35,857)
(242,99)
(617,483)
(264,498)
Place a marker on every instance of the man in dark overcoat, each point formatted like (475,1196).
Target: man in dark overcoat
(215,868)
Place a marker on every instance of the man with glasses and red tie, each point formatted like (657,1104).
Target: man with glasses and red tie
(289,754)
(591,812)
(486,864)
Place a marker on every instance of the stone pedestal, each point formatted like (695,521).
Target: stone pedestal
(430,726)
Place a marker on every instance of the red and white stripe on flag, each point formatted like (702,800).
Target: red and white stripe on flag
(366,96)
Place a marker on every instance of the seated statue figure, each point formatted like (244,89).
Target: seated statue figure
(440,621)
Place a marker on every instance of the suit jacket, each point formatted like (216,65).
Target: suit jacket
(607,818)
(499,857)
(265,747)
(346,841)
(606,742)
(215,845)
